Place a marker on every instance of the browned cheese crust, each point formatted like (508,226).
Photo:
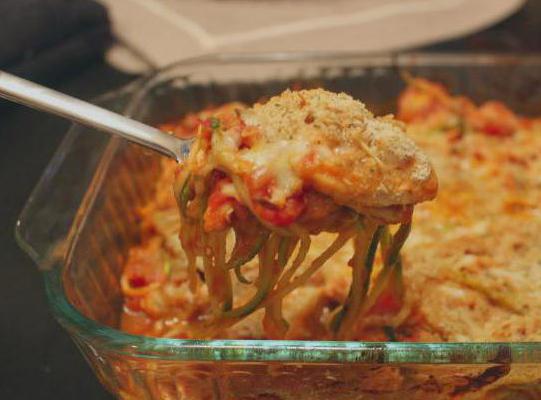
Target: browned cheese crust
(343,151)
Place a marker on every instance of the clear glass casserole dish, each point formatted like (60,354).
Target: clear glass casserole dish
(79,223)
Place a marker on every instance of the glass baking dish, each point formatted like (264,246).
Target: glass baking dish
(79,223)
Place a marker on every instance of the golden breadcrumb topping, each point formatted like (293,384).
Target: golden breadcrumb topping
(355,158)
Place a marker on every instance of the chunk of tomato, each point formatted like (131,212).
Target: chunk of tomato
(495,119)
(219,207)
(281,216)
(389,302)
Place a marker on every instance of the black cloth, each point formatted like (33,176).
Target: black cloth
(37,358)
(44,39)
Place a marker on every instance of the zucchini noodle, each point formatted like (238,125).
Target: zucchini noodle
(240,256)
(392,267)
(300,280)
(304,248)
(279,259)
(365,245)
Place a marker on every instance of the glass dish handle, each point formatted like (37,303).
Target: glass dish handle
(44,225)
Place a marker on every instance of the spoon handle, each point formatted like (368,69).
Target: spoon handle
(41,98)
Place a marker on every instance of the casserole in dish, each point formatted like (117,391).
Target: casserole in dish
(80,222)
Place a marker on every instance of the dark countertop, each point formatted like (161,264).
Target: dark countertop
(38,360)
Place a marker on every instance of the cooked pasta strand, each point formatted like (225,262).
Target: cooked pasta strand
(365,247)
(338,243)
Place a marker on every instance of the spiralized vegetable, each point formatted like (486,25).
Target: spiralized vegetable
(279,258)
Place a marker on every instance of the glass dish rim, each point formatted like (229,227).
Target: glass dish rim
(153,348)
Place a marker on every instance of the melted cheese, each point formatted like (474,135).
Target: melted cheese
(277,159)
(364,161)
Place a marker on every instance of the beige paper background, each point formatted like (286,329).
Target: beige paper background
(163,31)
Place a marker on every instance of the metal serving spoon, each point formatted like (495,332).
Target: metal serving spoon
(41,98)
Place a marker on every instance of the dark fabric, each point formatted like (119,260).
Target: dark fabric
(43,39)
(519,33)
(38,361)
